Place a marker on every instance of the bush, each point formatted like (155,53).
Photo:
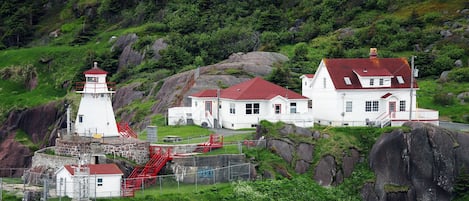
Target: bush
(443,99)
(459,75)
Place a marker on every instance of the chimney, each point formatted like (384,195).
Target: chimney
(373,53)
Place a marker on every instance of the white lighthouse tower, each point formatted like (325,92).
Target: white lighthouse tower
(95,117)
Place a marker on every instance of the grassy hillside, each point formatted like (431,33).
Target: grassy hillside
(205,32)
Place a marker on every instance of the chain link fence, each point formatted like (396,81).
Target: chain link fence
(37,186)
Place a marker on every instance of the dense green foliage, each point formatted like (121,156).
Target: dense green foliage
(203,32)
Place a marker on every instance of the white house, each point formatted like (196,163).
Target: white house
(365,91)
(243,106)
(89,181)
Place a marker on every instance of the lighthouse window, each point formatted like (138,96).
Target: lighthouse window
(80,118)
(91,79)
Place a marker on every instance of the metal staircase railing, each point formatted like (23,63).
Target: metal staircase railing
(145,175)
(125,131)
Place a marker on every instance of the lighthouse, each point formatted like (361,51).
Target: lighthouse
(95,116)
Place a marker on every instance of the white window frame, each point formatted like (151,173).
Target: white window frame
(371,106)
(402,105)
(232,108)
(348,106)
(292,108)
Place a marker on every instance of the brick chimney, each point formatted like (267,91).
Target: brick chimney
(373,53)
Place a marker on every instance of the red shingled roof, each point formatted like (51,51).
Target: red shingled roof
(309,75)
(95,71)
(97,169)
(254,89)
(375,67)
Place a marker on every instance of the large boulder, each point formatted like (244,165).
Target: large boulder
(325,172)
(420,165)
(239,67)
(284,148)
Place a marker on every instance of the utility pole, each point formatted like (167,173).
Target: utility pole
(218,109)
(411,86)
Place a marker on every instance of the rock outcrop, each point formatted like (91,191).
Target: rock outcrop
(237,68)
(420,165)
(36,123)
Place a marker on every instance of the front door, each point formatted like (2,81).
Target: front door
(208,107)
(392,109)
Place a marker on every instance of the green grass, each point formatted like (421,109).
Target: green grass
(429,88)
(25,140)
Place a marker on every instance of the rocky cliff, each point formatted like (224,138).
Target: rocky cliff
(40,123)
(422,164)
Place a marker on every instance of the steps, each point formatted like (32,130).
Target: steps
(125,131)
(214,142)
(145,175)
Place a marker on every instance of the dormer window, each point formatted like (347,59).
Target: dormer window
(400,80)
(347,81)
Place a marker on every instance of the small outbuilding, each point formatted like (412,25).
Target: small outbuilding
(89,181)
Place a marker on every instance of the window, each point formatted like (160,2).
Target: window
(347,81)
(80,118)
(278,109)
(400,79)
(348,106)
(232,108)
(402,105)
(292,108)
(381,82)
(310,104)
(252,108)
(91,79)
(372,82)
(100,181)
(371,106)
(324,82)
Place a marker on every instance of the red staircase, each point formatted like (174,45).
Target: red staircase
(124,129)
(214,142)
(146,175)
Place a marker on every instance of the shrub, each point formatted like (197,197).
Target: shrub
(443,99)
(459,75)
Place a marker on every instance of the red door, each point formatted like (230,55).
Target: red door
(392,109)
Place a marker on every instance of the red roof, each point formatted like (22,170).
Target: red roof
(206,93)
(254,89)
(366,67)
(110,168)
(95,71)
(309,75)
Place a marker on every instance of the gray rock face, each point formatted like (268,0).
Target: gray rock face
(425,162)
(176,88)
(282,148)
(157,46)
(125,95)
(290,129)
(349,162)
(325,172)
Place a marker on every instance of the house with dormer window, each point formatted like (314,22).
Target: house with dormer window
(243,105)
(365,91)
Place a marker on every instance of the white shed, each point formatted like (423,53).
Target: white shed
(89,181)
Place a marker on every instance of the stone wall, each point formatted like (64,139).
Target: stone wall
(41,159)
(132,149)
